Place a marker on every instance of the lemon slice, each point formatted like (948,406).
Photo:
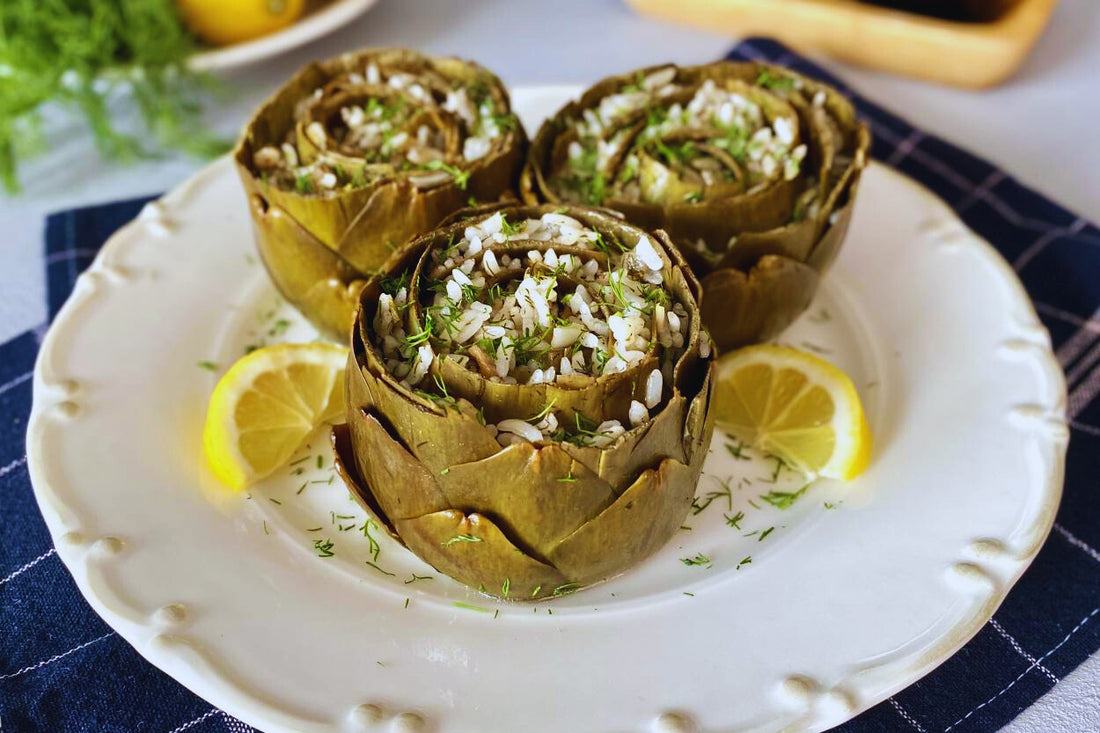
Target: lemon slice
(267,404)
(795,406)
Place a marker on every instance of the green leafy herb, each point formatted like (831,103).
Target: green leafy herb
(566,589)
(744,561)
(765,533)
(78,55)
(734,520)
(468,607)
(372,544)
(783,499)
(768,80)
(323,547)
(461,177)
(208,366)
(699,505)
(699,559)
(737,450)
(507,228)
(381,570)
(414,577)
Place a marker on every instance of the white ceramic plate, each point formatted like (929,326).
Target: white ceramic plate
(327,18)
(800,618)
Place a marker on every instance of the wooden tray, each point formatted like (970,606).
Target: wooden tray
(965,54)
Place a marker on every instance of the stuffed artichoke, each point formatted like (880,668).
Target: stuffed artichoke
(750,168)
(359,154)
(528,396)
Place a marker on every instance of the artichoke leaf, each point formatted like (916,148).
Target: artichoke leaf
(344,459)
(538,495)
(473,550)
(743,308)
(402,486)
(639,523)
(436,435)
(313,278)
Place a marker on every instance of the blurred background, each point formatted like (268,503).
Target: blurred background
(108,99)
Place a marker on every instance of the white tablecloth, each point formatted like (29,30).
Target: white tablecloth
(1041,126)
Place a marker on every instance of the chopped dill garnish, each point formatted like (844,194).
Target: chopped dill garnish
(566,588)
(737,450)
(689,594)
(314,529)
(372,547)
(469,607)
(275,501)
(266,531)
(278,327)
(507,228)
(323,547)
(413,577)
(744,561)
(208,366)
(698,506)
(542,413)
(699,559)
(783,499)
(461,177)
(302,487)
(765,533)
(768,80)
(734,520)
(461,538)
(444,471)
(381,570)
(535,592)
(406,603)
(320,461)
(505,587)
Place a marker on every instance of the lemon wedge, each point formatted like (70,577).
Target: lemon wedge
(796,406)
(267,404)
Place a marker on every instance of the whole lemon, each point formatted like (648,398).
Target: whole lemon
(223,22)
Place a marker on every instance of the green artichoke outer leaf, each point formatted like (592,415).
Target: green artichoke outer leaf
(537,495)
(345,462)
(361,223)
(639,523)
(473,550)
(404,487)
(313,278)
(699,425)
(720,226)
(437,436)
(743,308)
(620,463)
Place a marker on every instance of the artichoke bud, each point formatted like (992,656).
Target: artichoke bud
(356,155)
(741,163)
(528,397)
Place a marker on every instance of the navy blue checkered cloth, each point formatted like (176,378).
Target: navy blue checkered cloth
(62,670)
